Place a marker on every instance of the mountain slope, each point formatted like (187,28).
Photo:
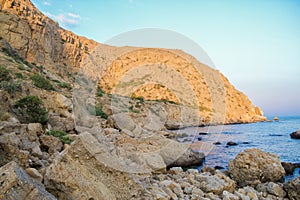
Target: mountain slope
(41,41)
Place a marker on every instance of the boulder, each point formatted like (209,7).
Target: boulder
(214,183)
(295,135)
(288,167)
(122,121)
(17,184)
(88,170)
(276,119)
(180,155)
(51,144)
(254,166)
(271,188)
(293,189)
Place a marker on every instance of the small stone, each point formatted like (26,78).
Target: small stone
(34,174)
(175,170)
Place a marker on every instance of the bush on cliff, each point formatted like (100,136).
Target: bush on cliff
(30,109)
(4,74)
(41,82)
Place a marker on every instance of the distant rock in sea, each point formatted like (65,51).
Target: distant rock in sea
(295,135)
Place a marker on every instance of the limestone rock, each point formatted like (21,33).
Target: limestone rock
(215,183)
(180,155)
(293,189)
(51,144)
(254,166)
(16,184)
(90,171)
(271,188)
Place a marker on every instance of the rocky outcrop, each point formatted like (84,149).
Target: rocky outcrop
(254,166)
(17,184)
(295,135)
(39,39)
(89,172)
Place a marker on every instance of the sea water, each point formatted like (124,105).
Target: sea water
(273,137)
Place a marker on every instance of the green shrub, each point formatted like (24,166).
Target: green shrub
(30,109)
(100,92)
(19,75)
(41,82)
(11,86)
(61,135)
(97,111)
(21,67)
(4,74)
(64,85)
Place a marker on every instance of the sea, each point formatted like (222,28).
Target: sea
(273,137)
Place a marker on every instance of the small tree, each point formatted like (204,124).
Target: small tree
(30,109)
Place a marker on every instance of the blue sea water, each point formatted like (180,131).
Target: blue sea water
(272,137)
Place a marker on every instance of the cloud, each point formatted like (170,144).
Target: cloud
(74,15)
(68,20)
(47,3)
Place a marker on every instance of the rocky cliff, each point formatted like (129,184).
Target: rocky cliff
(41,41)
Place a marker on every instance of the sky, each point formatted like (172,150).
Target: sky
(255,44)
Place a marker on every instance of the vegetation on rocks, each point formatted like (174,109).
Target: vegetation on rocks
(30,109)
(41,82)
(61,135)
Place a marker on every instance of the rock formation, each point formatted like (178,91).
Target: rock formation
(40,40)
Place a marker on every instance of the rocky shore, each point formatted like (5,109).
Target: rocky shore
(35,165)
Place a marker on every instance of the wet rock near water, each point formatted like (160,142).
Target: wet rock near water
(230,143)
(295,135)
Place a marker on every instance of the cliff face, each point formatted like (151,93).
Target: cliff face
(40,40)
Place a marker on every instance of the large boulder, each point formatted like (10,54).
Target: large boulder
(295,135)
(293,189)
(88,170)
(177,154)
(254,166)
(17,184)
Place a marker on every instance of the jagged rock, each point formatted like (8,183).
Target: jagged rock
(293,189)
(90,171)
(215,183)
(254,166)
(18,142)
(51,144)
(61,123)
(17,184)
(295,135)
(271,188)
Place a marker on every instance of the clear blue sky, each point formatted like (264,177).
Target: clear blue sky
(256,44)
